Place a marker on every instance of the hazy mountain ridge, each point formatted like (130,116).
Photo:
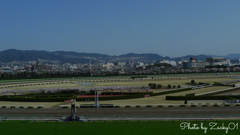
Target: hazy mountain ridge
(75,57)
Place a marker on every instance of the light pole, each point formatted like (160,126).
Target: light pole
(96,100)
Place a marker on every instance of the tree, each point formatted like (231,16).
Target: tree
(193,82)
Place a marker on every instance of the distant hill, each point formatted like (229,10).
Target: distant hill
(72,57)
(64,57)
(75,57)
(187,57)
(148,56)
(233,56)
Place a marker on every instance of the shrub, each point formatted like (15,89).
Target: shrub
(138,106)
(12,107)
(170,106)
(179,86)
(117,106)
(39,107)
(169,86)
(193,82)
(191,94)
(182,106)
(159,106)
(30,107)
(204,106)
(154,86)
(227,105)
(65,107)
(148,106)
(174,86)
(193,106)
(127,106)
(21,107)
(3,107)
(215,105)
(237,105)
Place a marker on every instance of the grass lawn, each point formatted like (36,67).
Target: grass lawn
(65,85)
(35,104)
(163,82)
(124,83)
(113,128)
(70,78)
(161,99)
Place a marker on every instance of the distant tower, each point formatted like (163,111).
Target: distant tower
(38,65)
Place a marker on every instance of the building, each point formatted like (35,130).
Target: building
(194,64)
(5,70)
(218,61)
(108,65)
(173,63)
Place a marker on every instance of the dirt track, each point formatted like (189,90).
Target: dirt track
(122,111)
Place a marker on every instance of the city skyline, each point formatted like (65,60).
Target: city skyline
(167,28)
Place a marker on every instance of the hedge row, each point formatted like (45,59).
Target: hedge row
(23,99)
(125,93)
(202,97)
(169,92)
(158,86)
(34,99)
(113,97)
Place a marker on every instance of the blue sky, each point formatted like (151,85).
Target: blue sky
(166,27)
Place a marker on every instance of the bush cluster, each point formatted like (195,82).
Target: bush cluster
(30,107)
(127,106)
(148,106)
(117,106)
(12,107)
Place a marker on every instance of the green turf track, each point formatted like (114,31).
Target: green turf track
(109,128)
(24,80)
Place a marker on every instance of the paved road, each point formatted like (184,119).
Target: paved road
(122,111)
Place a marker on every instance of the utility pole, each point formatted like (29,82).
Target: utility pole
(96,100)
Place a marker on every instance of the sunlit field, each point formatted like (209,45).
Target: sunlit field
(148,100)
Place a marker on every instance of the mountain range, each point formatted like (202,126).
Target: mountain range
(76,57)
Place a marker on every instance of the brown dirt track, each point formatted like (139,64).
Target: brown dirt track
(122,111)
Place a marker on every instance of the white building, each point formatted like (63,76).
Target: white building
(108,65)
(173,63)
